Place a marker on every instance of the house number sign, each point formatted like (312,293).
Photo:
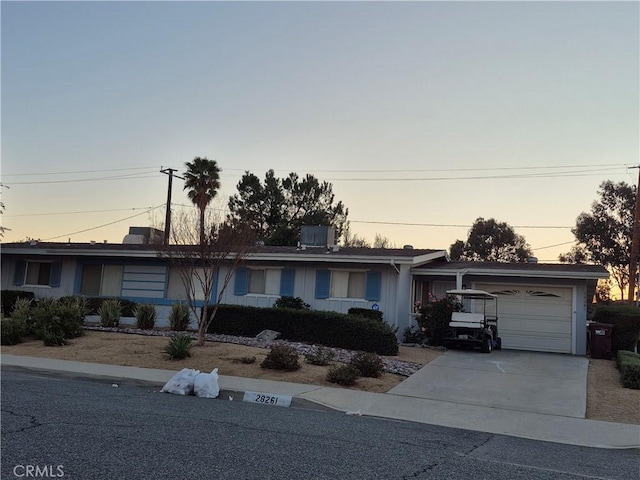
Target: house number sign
(267,399)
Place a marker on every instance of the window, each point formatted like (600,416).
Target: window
(264,281)
(36,273)
(347,284)
(176,289)
(101,280)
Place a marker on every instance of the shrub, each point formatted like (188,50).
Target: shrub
(179,347)
(368,364)
(9,298)
(179,317)
(110,312)
(629,364)
(145,316)
(322,356)
(413,334)
(343,375)
(76,300)
(626,321)
(12,330)
(330,329)
(295,303)
(281,357)
(54,322)
(22,311)
(435,317)
(367,313)
(128,306)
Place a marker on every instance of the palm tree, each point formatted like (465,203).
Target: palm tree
(202,180)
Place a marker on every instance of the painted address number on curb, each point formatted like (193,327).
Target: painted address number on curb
(267,399)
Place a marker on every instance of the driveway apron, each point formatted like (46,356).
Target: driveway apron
(546,383)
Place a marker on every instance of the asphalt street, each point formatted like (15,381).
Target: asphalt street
(86,428)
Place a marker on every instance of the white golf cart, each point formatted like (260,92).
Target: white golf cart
(474,330)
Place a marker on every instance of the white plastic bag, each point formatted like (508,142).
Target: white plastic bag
(182,382)
(206,384)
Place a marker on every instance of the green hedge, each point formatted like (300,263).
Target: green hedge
(330,329)
(367,313)
(629,365)
(12,331)
(9,298)
(626,321)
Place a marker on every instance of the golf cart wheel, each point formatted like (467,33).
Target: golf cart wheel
(486,345)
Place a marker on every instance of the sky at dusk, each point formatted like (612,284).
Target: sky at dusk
(423,115)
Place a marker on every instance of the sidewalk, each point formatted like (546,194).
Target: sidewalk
(535,426)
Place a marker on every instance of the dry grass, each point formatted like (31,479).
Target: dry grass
(147,352)
(607,400)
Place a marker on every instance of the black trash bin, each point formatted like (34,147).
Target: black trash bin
(601,340)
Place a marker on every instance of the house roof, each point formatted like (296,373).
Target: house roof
(413,257)
(546,270)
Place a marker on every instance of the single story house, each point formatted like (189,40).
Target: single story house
(542,307)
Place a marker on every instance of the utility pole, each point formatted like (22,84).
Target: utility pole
(635,246)
(167,220)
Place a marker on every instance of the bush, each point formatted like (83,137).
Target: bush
(629,364)
(368,364)
(110,312)
(179,317)
(54,322)
(330,329)
(78,301)
(626,321)
(22,311)
(413,334)
(145,316)
(322,356)
(245,360)
(435,317)
(179,347)
(9,298)
(366,313)
(343,375)
(296,303)
(281,357)
(128,306)
(12,330)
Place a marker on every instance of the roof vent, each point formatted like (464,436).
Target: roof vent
(532,260)
(408,247)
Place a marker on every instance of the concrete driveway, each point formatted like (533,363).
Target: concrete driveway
(547,383)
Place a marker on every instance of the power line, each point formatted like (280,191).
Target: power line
(134,176)
(449,225)
(77,212)
(77,171)
(101,226)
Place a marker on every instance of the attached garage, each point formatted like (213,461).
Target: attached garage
(534,317)
(541,307)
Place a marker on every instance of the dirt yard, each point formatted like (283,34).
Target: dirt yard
(607,400)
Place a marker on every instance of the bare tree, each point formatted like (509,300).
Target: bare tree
(203,265)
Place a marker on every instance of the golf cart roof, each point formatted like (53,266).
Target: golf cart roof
(468,293)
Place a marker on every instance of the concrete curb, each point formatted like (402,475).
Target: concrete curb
(534,426)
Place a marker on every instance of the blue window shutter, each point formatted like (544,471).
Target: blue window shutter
(323,283)
(241,285)
(55,274)
(287,277)
(18,276)
(373,286)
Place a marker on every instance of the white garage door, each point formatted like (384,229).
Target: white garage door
(534,317)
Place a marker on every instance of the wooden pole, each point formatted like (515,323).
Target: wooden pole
(635,247)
